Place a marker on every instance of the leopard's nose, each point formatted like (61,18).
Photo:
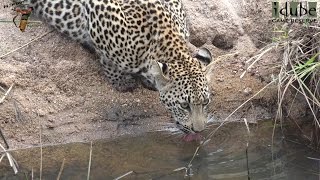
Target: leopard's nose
(198,126)
(196,131)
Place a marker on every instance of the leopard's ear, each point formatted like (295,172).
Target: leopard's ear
(204,56)
(158,71)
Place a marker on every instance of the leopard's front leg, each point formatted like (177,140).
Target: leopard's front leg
(121,81)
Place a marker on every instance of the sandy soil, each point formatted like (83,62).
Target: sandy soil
(59,86)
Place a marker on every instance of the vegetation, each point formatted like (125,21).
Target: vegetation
(300,72)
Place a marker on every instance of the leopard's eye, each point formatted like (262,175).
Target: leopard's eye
(184,105)
(205,102)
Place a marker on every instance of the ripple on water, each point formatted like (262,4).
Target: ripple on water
(156,155)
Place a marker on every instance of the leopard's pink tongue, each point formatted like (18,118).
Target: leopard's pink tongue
(192,137)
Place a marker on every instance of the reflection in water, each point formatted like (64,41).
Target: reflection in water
(155,156)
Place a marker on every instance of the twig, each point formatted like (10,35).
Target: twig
(210,66)
(4,139)
(122,176)
(194,155)
(17,111)
(61,169)
(31,22)
(33,40)
(32,174)
(2,89)
(40,149)
(247,125)
(312,158)
(90,158)
(247,147)
(257,57)
(35,146)
(247,157)
(6,94)
(13,163)
(26,175)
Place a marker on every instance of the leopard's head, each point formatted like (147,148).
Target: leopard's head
(184,91)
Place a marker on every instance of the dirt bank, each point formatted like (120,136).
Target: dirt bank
(59,86)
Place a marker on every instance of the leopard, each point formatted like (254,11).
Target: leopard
(140,38)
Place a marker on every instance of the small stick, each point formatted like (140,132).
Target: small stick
(256,57)
(17,112)
(247,157)
(90,158)
(2,89)
(6,94)
(194,155)
(4,139)
(312,158)
(7,21)
(26,175)
(33,40)
(13,163)
(122,176)
(40,150)
(61,169)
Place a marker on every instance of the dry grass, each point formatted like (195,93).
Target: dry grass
(6,94)
(61,169)
(124,175)
(300,74)
(25,45)
(90,161)
(13,163)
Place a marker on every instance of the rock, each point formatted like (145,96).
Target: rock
(41,112)
(247,91)
(50,126)
(213,23)
(220,79)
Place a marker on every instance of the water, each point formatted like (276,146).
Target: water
(155,156)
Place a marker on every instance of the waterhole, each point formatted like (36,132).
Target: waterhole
(232,153)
